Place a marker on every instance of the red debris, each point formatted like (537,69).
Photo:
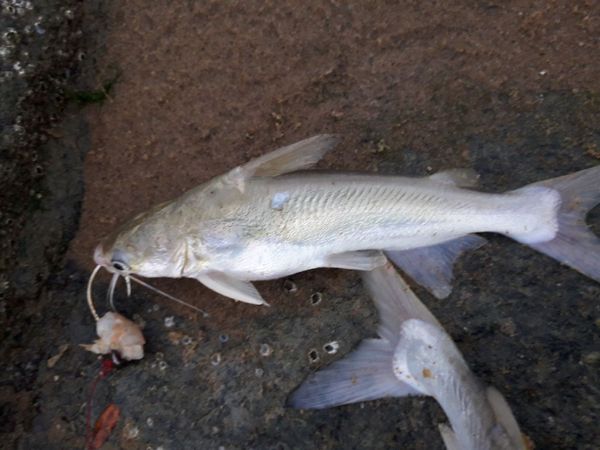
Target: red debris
(104,426)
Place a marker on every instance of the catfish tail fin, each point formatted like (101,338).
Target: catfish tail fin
(574,244)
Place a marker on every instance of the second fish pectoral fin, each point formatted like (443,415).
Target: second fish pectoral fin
(448,437)
(358,260)
(240,290)
(395,301)
(505,417)
(431,266)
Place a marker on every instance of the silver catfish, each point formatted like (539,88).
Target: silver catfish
(414,356)
(260,221)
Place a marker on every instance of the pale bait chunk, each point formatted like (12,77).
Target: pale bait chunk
(119,334)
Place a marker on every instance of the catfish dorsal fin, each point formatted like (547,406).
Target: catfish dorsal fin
(298,156)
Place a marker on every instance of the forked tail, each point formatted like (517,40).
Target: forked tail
(574,243)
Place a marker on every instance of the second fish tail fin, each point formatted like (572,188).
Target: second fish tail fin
(574,244)
(365,374)
(368,372)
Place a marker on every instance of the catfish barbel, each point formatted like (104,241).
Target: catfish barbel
(261,221)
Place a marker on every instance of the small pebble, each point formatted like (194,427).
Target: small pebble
(259,372)
(169,321)
(223,338)
(508,327)
(592,358)
(313,355)
(133,432)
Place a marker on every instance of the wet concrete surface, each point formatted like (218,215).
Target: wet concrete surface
(509,89)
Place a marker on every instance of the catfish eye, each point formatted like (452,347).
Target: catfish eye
(120,266)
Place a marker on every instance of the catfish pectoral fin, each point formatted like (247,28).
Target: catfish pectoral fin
(244,291)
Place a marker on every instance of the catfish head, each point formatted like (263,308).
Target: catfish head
(148,245)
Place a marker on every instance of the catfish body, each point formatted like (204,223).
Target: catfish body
(260,221)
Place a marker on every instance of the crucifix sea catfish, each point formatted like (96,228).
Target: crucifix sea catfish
(261,221)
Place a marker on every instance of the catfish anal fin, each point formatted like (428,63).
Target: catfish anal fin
(431,266)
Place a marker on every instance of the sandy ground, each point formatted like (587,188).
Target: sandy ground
(511,89)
